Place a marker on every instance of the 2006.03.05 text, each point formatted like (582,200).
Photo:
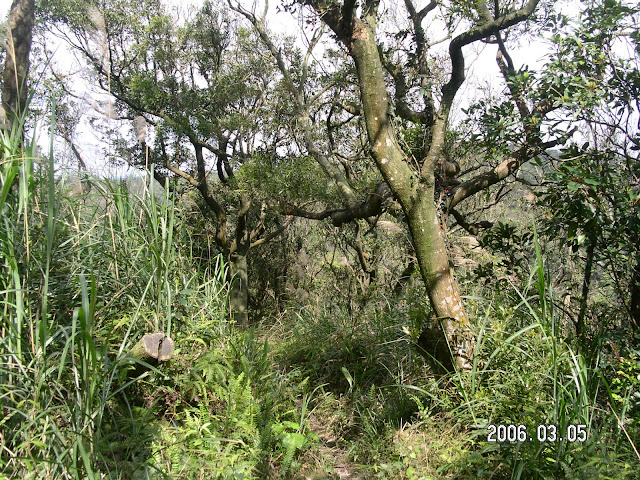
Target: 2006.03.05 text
(544,433)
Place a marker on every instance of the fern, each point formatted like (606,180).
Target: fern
(290,451)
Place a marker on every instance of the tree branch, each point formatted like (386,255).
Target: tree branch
(241,241)
(362,255)
(456,79)
(304,121)
(477,33)
(472,228)
(270,236)
(369,208)
(497,174)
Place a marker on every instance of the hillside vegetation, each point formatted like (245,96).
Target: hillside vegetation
(317,266)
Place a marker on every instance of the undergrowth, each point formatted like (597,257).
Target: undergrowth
(84,276)
(396,420)
(324,391)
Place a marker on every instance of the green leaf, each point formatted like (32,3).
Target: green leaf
(291,425)
(592,181)
(348,376)
(294,440)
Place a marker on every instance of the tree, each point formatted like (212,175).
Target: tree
(593,190)
(398,89)
(177,81)
(16,68)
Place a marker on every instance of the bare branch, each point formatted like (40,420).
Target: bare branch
(180,173)
(362,255)
(369,208)
(270,236)
(477,33)
(472,228)
(312,44)
(507,167)
(506,68)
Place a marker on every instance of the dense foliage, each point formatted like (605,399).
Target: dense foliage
(256,187)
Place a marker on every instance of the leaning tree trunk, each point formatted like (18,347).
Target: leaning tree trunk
(450,341)
(239,294)
(16,68)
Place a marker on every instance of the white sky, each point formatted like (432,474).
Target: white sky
(5,5)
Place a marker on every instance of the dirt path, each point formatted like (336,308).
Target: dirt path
(330,455)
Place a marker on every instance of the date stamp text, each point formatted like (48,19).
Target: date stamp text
(541,433)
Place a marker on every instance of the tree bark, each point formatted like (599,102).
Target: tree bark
(16,68)
(586,285)
(635,294)
(239,295)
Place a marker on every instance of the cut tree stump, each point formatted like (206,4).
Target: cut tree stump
(153,347)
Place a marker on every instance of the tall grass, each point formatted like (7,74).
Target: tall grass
(81,278)
(84,276)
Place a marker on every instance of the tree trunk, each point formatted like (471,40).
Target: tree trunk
(153,347)
(635,294)
(16,68)
(586,285)
(450,342)
(239,294)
